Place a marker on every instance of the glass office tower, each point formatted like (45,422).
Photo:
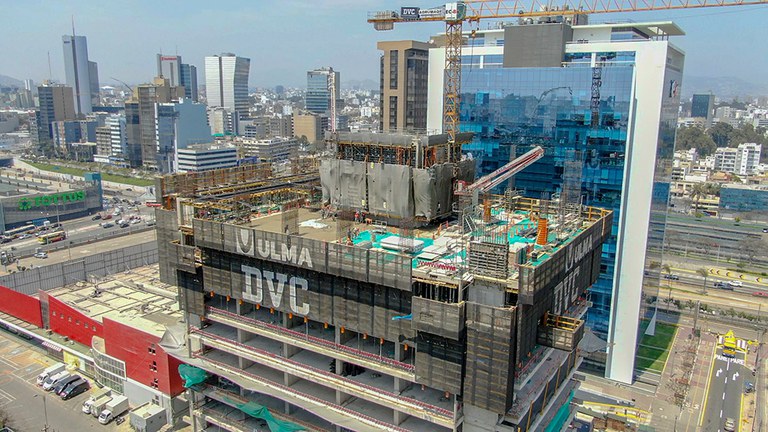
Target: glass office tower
(511,110)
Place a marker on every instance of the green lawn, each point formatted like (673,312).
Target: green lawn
(80,172)
(643,364)
(653,350)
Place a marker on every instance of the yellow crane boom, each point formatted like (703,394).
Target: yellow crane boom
(455,13)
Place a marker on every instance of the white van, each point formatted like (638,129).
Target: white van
(49,371)
(52,380)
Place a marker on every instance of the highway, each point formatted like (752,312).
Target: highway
(81,230)
(725,391)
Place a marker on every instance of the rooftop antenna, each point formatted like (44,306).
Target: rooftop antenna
(73,25)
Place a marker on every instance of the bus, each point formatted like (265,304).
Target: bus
(52,237)
(153,204)
(13,233)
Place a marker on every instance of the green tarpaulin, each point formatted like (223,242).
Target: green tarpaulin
(255,410)
(192,375)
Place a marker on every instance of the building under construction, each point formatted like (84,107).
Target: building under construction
(378,289)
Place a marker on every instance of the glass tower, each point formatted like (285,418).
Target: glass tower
(511,110)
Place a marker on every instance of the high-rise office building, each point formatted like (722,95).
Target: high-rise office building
(179,124)
(703,106)
(78,71)
(189,81)
(322,86)
(403,76)
(169,67)
(93,71)
(323,95)
(226,82)
(56,104)
(141,122)
(178,73)
(609,106)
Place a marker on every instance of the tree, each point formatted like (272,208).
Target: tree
(694,137)
(699,190)
(720,134)
(705,274)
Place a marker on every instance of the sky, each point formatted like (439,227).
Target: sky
(285,38)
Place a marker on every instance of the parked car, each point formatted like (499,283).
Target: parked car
(150,223)
(107,225)
(74,389)
(63,383)
(53,380)
(96,217)
(125,225)
(671,277)
(41,255)
(735,283)
(748,387)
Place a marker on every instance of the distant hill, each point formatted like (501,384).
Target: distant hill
(722,87)
(6,81)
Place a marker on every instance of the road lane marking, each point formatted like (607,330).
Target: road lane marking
(723,395)
(721,413)
(709,381)
(726,379)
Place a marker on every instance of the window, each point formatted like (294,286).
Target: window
(53,313)
(85,325)
(69,319)
(151,349)
(153,366)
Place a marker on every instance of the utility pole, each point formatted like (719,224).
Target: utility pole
(45,411)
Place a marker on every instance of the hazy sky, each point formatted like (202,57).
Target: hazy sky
(285,38)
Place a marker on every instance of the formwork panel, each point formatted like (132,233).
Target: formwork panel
(489,381)
(440,318)
(436,373)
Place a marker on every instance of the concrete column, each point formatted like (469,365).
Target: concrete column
(399,417)
(289,350)
(289,380)
(341,397)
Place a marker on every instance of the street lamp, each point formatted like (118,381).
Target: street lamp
(45,410)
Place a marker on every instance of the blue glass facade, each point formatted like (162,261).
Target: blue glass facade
(744,199)
(510,110)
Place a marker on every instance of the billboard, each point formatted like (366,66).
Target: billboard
(438,12)
(409,13)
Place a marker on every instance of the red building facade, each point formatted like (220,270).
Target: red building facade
(145,360)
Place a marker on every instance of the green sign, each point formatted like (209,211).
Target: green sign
(52,199)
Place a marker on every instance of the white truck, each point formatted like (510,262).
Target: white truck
(95,405)
(113,408)
(50,371)
(95,394)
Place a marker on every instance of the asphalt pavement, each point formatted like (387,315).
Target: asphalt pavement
(725,391)
(28,406)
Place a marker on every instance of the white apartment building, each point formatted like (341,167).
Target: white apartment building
(270,150)
(743,160)
(204,157)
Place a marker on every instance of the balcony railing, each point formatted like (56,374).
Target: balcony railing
(375,394)
(316,340)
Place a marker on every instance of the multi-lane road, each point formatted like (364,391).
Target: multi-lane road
(82,230)
(725,392)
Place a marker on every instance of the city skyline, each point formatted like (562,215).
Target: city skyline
(262,32)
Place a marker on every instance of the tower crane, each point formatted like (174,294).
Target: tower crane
(454,14)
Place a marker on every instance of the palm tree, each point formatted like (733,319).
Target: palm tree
(705,274)
(698,191)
